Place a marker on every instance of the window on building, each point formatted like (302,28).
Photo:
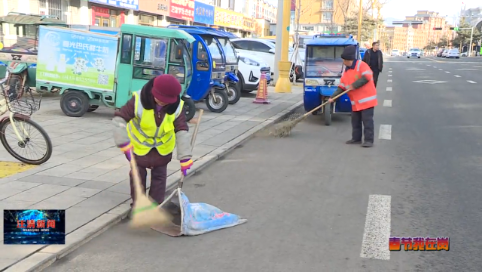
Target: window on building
(328,4)
(56,8)
(327,17)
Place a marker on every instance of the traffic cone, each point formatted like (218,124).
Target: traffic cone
(262,93)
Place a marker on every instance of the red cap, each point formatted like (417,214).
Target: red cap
(166,88)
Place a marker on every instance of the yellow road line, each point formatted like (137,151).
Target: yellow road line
(11,168)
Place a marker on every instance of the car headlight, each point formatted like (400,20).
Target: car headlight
(249,61)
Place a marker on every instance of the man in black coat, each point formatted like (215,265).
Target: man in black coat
(374,58)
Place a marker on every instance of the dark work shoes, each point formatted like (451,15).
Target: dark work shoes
(367,144)
(353,142)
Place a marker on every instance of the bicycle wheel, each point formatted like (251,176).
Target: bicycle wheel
(20,150)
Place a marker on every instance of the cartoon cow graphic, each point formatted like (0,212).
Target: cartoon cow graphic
(80,66)
(99,64)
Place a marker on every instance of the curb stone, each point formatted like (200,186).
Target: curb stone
(47,255)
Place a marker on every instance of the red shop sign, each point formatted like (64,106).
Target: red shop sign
(182,9)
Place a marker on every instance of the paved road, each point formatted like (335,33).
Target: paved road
(316,204)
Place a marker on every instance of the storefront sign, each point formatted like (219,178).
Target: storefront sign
(227,18)
(126,4)
(203,13)
(160,7)
(182,9)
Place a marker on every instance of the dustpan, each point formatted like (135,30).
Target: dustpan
(193,218)
(145,212)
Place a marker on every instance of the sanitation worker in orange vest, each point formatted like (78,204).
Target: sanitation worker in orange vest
(358,79)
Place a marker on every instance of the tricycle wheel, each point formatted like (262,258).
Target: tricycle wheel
(234,94)
(327,114)
(92,108)
(189,108)
(74,103)
(217,100)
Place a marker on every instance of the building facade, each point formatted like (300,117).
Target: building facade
(409,36)
(156,13)
(322,15)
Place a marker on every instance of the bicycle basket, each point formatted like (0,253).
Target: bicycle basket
(24,104)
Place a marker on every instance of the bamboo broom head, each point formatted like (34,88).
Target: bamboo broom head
(146,213)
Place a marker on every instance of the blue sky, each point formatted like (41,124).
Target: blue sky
(398,9)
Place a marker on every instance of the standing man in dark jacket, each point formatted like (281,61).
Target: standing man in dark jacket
(374,58)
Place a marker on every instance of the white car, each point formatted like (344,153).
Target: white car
(414,52)
(249,72)
(444,53)
(265,50)
(453,53)
(395,52)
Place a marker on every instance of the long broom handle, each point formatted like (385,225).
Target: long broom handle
(323,104)
(135,176)
(193,140)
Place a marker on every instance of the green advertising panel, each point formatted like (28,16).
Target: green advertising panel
(76,58)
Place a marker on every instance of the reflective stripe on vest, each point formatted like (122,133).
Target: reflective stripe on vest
(366,99)
(160,142)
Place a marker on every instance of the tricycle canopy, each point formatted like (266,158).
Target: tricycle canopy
(212,56)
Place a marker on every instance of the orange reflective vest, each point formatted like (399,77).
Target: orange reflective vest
(364,97)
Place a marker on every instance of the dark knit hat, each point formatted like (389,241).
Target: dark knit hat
(166,88)
(349,53)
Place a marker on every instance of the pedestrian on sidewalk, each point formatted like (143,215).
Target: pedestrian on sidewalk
(358,79)
(152,124)
(374,58)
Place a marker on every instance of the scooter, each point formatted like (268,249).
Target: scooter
(230,82)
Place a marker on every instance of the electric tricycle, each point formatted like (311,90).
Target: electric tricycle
(215,65)
(324,68)
(90,69)
(19,48)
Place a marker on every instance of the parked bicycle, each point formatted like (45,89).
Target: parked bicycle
(18,131)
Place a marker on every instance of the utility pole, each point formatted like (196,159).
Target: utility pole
(283,84)
(297,34)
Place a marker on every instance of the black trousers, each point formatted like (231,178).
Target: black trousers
(363,118)
(375,76)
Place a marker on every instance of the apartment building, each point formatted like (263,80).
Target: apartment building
(408,36)
(322,15)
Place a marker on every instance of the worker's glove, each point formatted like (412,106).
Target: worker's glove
(127,149)
(186,165)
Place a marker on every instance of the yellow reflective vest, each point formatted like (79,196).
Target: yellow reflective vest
(145,134)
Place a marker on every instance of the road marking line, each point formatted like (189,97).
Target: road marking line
(385,132)
(457,76)
(389,75)
(447,72)
(470,81)
(440,69)
(387,103)
(389,80)
(389,89)
(465,69)
(377,228)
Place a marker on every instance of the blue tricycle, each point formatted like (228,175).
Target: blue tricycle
(215,63)
(324,68)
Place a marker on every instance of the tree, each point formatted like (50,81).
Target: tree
(442,42)
(368,25)
(463,35)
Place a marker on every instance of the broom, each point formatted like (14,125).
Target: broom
(193,140)
(145,212)
(283,129)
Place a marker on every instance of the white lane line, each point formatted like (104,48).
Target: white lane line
(389,80)
(385,132)
(440,69)
(387,103)
(428,65)
(389,75)
(377,228)
(456,76)
(389,89)
(447,72)
(465,69)
(470,81)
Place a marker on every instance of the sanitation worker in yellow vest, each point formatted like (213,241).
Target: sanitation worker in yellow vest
(152,124)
